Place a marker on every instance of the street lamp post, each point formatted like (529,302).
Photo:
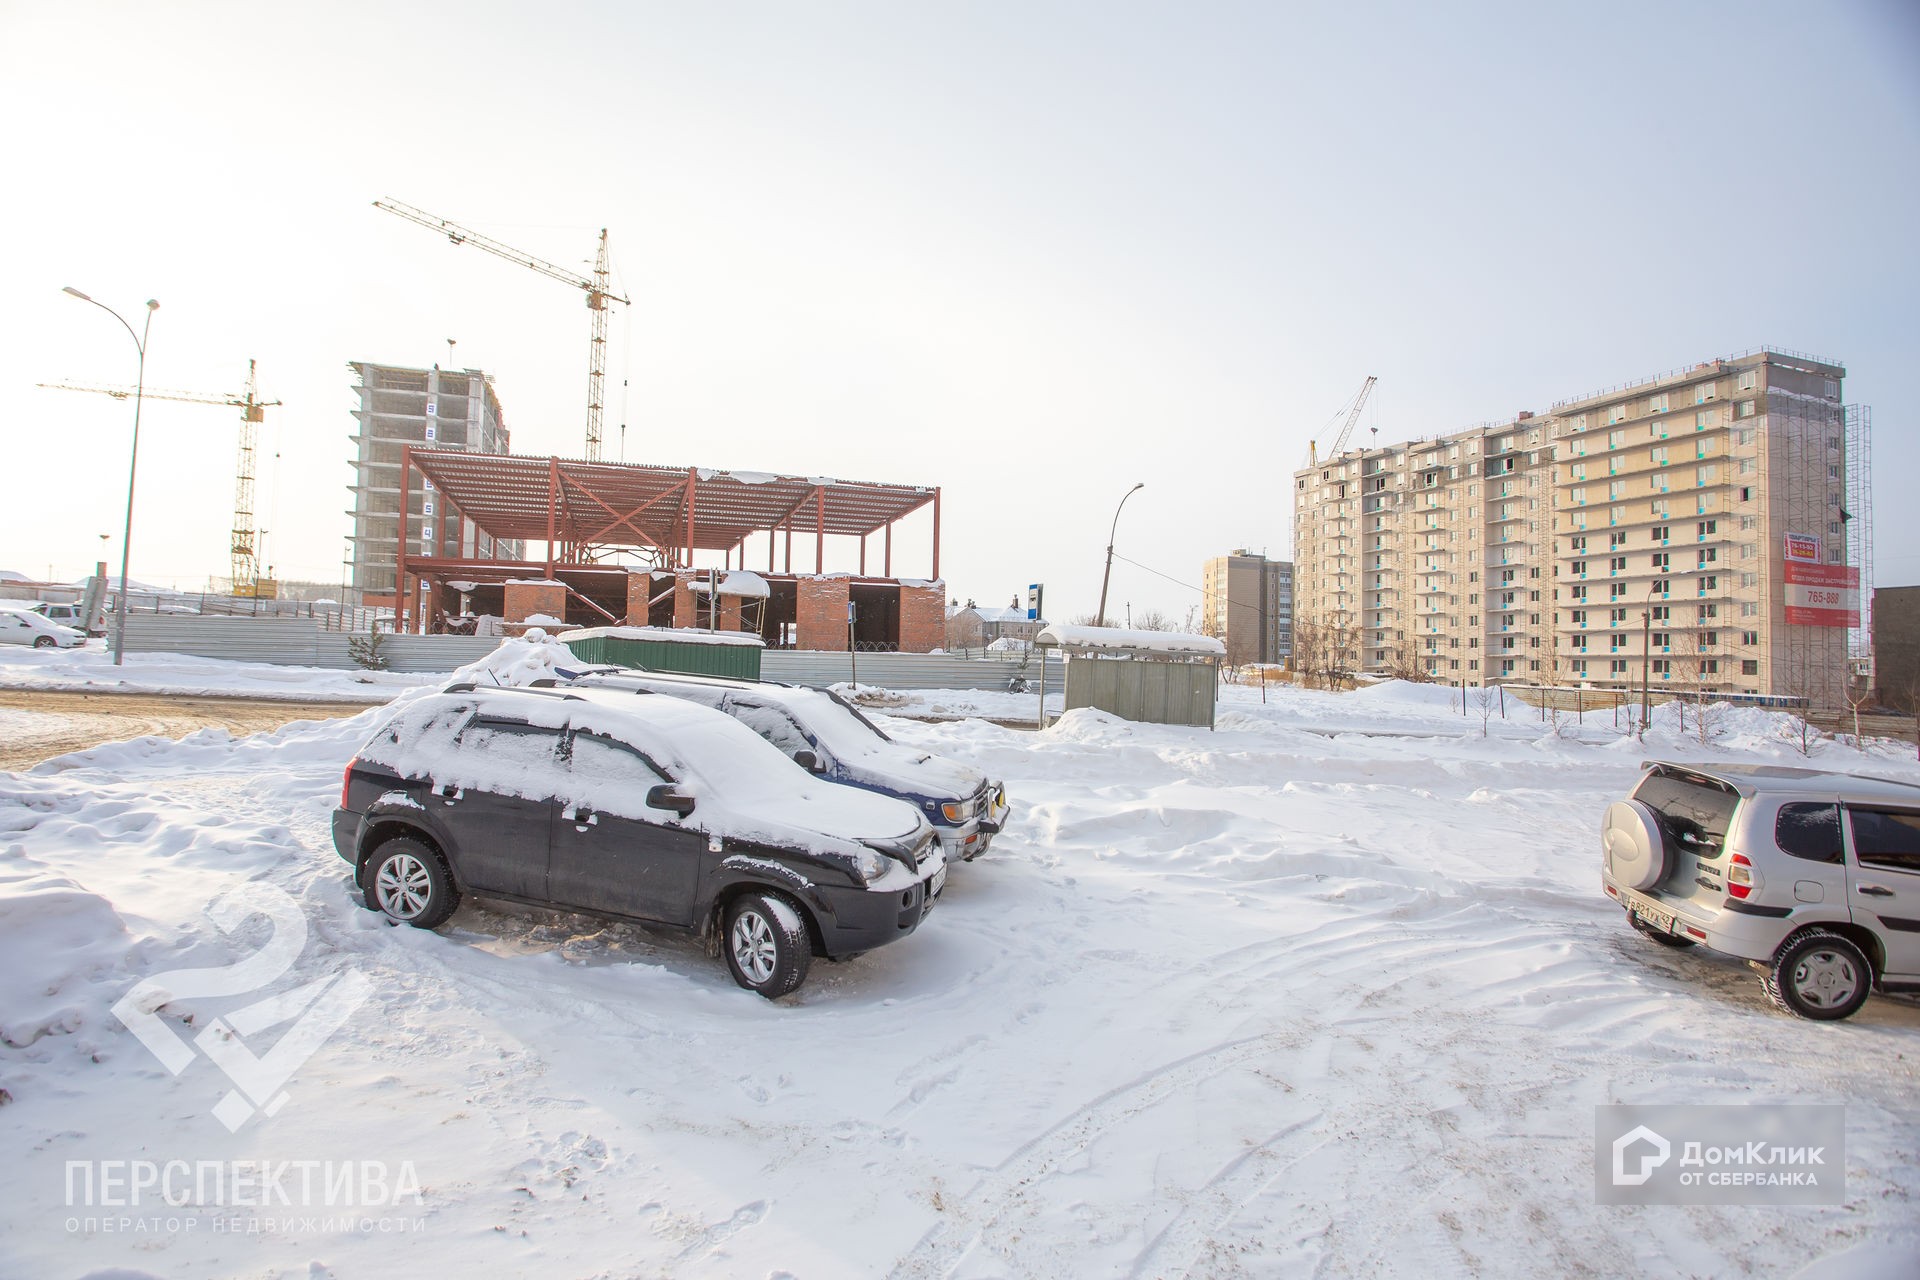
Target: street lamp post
(133,461)
(1100,618)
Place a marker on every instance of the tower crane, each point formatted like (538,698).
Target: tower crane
(253,411)
(598,290)
(1346,429)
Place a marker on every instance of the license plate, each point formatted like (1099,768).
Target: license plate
(939,881)
(1654,919)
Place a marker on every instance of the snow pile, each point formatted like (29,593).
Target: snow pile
(1122,638)
(58,945)
(90,667)
(533,656)
(739,582)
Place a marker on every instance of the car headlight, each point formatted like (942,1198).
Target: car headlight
(957,810)
(871,866)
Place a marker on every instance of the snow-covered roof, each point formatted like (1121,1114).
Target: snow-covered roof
(673,635)
(987,614)
(1122,638)
(739,582)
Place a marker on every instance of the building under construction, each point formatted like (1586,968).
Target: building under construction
(435,408)
(620,543)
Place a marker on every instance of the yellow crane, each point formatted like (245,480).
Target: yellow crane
(253,411)
(598,290)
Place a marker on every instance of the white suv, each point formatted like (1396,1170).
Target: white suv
(1811,877)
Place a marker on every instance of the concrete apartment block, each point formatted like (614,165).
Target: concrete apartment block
(427,408)
(1634,535)
(1247,601)
(821,614)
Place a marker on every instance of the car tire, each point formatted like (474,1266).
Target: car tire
(406,882)
(44,642)
(1819,975)
(1674,940)
(767,944)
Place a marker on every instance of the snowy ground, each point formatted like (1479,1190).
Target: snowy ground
(90,669)
(1331,991)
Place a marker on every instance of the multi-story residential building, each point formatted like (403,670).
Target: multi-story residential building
(1692,530)
(1247,601)
(430,409)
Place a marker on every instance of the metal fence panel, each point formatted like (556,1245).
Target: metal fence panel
(293,643)
(902,670)
(1147,692)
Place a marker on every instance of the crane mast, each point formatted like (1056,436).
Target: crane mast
(253,411)
(598,289)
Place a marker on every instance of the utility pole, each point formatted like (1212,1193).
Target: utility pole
(1100,617)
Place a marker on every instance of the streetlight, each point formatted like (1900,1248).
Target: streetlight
(1100,618)
(133,461)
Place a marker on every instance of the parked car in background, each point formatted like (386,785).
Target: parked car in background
(827,735)
(648,809)
(23,626)
(1811,877)
(69,615)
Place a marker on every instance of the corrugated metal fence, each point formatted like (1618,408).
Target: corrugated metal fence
(302,643)
(292,642)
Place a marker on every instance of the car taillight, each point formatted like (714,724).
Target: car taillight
(346,780)
(1740,881)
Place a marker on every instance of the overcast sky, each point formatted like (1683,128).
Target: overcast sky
(1029,252)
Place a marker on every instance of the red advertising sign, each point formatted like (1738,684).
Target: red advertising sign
(1822,595)
(1803,547)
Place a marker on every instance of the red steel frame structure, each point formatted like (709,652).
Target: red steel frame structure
(583,509)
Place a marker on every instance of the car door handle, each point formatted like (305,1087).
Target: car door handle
(1873,891)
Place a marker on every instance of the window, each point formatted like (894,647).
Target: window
(1616,438)
(1661,586)
(1617,617)
(1749,638)
(1662,559)
(1658,455)
(1579,617)
(1709,666)
(1886,838)
(1579,496)
(1706,474)
(1746,435)
(1709,610)
(1708,555)
(1708,528)
(1746,409)
(1749,667)
(1662,612)
(1577,545)
(1748,381)
(1703,393)
(1661,639)
(1615,591)
(1616,564)
(1657,404)
(1663,667)
(1661,532)
(1708,639)
(1616,540)
(1703,419)
(1617,666)
(1809,831)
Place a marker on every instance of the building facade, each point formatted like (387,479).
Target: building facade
(1682,532)
(427,408)
(975,626)
(1247,602)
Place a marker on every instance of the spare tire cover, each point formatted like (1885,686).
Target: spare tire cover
(1636,855)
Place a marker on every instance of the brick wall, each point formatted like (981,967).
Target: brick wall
(821,608)
(524,599)
(923,618)
(729,613)
(686,606)
(639,591)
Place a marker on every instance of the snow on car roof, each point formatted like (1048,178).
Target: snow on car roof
(1749,779)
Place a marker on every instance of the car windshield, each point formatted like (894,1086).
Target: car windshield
(1695,810)
(843,731)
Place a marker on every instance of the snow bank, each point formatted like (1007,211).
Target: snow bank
(1122,638)
(534,656)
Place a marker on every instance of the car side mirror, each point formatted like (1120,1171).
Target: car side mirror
(808,761)
(671,798)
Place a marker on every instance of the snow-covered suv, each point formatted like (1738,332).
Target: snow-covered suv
(648,809)
(1811,877)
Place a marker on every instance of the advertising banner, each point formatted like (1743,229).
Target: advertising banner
(1803,547)
(1822,595)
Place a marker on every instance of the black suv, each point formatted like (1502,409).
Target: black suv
(646,809)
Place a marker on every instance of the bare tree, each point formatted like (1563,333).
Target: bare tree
(1483,698)
(1152,620)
